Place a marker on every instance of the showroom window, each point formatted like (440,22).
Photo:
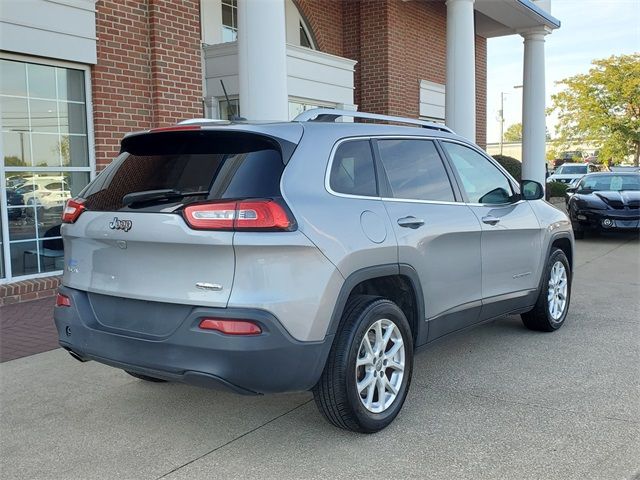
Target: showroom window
(45,160)
(229,20)
(298,105)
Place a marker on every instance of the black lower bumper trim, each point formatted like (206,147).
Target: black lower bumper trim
(267,363)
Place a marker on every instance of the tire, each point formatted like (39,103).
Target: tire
(544,317)
(145,377)
(336,393)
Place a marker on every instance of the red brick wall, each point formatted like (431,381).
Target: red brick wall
(325,18)
(148,72)
(176,69)
(396,44)
(481,91)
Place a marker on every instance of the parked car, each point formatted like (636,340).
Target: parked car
(305,255)
(45,192)
(605,201)
(14,199)
(569,172)
(571,156)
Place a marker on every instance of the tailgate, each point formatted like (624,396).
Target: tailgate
(157,258)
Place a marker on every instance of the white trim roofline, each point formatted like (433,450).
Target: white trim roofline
(548,19)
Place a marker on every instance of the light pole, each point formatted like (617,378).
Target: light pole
(501,113)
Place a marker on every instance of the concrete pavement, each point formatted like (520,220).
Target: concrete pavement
(497,401)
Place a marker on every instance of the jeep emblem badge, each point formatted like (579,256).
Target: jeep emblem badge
(118,224)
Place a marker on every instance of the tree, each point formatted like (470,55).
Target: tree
(603,107)
(513,133)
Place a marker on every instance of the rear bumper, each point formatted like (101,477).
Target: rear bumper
(270,362)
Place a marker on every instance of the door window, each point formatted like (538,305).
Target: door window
(352,170)
(481,180)
(415,170)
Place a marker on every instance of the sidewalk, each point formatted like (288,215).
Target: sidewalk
(27,328)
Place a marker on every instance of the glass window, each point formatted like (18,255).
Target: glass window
(43,123)
(229,109)
(415,170)
(352,170)
(481,180)
(296,107)
(612,182)
(305,41)
(229,20)
(572,169)
(217,166)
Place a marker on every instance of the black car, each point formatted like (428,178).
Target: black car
(605,201)
(14,198)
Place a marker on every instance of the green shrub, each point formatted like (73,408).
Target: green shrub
(511,165)
(556,189)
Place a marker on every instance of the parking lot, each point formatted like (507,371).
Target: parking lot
(497,401)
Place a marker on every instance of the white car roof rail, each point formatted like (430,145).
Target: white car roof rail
(330,115)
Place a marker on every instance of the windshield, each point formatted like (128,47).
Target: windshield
(572,169)
(610,182)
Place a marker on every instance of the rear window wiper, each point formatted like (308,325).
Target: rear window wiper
(165,194)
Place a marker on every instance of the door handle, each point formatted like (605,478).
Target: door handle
(410,222)
(490,219)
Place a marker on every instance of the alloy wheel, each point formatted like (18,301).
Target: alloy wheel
(380,365)
(557,292)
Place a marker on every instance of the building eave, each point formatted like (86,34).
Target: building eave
(496,18)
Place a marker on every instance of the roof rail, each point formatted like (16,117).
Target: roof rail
(330,115)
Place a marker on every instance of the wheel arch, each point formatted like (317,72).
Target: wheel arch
(397,282)
(563,241)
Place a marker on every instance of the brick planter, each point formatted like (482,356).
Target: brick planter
(28,290)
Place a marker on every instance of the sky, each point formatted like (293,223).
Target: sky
(590,29)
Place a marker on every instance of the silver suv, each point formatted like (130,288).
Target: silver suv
(307,255)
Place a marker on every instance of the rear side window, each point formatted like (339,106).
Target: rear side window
(352,170)
(415,170)
(199,166)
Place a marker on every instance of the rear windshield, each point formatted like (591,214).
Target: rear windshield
(195,166)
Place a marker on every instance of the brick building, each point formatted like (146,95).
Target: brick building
(79,74)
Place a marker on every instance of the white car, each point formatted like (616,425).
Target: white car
(49,192)
(569,173)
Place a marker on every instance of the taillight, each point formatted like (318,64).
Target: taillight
(72,210)
(62,301)
(241,215)
(231,327)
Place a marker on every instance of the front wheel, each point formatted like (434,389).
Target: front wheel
(367,376)
(550,310)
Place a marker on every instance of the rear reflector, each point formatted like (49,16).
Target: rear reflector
(62,301)
(231,327)
(72,210)
(242,215)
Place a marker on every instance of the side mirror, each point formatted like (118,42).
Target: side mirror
(571,189)
(531,190)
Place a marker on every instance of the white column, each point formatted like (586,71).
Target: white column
(262,59)
(460,100)
(533,107)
